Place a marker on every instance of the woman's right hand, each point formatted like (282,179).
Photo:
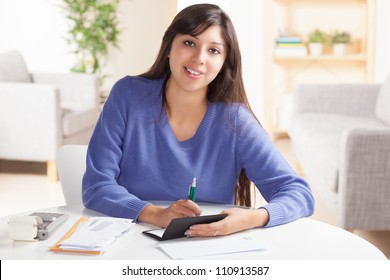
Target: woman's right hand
(161,217)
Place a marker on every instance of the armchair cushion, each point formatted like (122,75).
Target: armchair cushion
(13,68)
(383,103)
(321,134)
(75,121)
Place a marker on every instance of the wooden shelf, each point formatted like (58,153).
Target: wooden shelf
(351,57)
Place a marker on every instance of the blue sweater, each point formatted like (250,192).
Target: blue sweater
(133,157)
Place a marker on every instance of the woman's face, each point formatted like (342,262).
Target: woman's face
(195,61)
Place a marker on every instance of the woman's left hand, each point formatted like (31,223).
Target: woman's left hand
(238,219)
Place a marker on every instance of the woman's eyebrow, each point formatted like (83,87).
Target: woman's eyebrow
(217,43)
(213,42)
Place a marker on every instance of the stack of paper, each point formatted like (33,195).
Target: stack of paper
(93,235)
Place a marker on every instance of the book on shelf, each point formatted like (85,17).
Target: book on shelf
(288,40)
(289,46)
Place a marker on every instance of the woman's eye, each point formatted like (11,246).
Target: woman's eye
(189,43)
(214,51)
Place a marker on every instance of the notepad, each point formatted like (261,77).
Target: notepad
(177,227)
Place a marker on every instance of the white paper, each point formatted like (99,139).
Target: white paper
(197,247)
(158,232)
(96,234)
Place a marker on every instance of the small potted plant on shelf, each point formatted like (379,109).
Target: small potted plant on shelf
(317,39)
(339,41)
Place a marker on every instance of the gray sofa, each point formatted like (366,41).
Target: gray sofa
(40,112)
(340,136)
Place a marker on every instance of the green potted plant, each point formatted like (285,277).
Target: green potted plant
(316,40)
(339,41)
(93,29)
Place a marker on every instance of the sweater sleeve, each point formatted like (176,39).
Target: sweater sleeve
(100,190)
(289,197)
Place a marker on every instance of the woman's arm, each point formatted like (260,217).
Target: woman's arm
(289,196)
(101,191)
(161,217)
(238,219)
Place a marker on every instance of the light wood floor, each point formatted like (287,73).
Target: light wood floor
(24,187)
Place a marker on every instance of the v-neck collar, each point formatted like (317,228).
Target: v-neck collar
(205,124)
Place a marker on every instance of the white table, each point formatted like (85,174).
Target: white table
(299,240)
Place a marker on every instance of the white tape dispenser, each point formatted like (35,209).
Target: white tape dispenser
(37,226)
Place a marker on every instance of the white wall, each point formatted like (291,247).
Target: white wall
(248,20)
(143,23)
(36,28)
(382,51)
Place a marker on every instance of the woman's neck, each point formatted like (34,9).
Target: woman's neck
(185,111)
(182,104)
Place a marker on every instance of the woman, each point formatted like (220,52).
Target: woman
(188,117)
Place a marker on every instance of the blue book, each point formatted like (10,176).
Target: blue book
(288,40)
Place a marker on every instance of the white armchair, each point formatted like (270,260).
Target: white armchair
(41,112)
(340,135)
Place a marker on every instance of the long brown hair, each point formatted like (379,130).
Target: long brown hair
(228,86)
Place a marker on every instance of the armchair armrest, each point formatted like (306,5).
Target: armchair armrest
(364,179)
(78,91)
(345,99)
(30,116)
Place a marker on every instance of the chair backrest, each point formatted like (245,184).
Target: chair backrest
(13,68)
(71,162)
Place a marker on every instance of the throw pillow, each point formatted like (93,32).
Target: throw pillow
(382,109)
(13,68)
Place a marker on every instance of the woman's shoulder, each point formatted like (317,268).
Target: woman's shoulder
(235,117)
(236,112)
(138,84)
(135,88)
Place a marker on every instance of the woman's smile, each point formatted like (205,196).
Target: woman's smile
(193,73)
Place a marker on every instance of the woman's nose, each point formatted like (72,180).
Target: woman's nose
(199,57)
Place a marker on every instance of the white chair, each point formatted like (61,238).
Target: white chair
(71,162)
(40,112)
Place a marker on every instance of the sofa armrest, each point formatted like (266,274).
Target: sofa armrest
(345,99)
(30,121)
(364,179)
(78,91)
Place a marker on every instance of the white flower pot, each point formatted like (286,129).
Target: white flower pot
(339,49)
(316,49)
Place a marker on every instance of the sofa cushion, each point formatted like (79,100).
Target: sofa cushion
(76,121)
(13,68)
(316,142)
(382,109)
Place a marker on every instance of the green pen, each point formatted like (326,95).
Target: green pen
(192,190)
